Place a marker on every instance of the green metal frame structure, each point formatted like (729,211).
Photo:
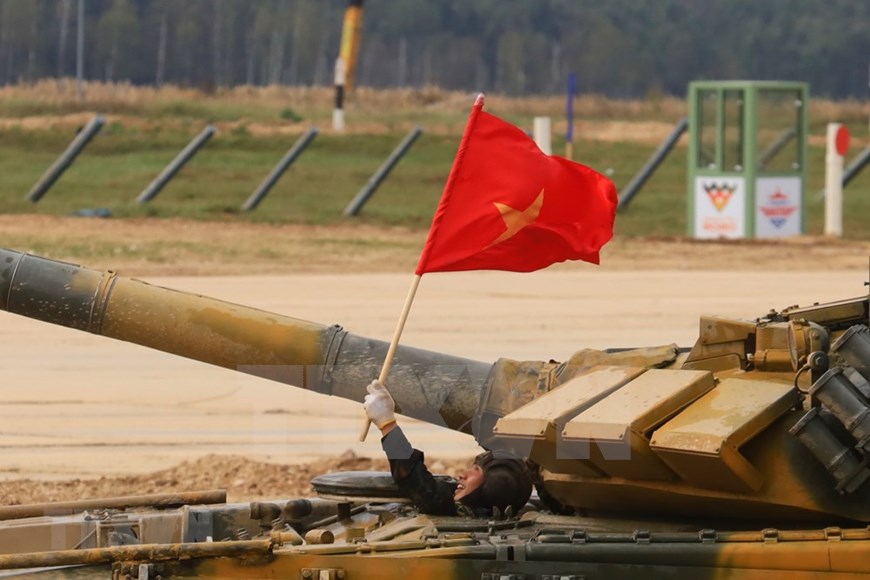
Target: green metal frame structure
(747,130)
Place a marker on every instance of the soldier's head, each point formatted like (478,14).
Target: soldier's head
(495,480)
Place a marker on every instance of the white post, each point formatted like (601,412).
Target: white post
(838,143)
(340,78)
(543,134)
(338,119)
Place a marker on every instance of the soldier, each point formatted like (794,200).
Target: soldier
(494,480)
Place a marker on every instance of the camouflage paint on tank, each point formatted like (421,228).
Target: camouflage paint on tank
(830,553)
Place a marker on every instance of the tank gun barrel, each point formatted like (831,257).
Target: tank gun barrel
(437,388)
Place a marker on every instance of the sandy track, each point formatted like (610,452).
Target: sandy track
(77,405)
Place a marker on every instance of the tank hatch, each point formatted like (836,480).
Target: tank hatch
(361,487)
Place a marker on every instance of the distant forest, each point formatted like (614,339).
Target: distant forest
(619,48)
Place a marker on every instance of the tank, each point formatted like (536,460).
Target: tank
(744,455)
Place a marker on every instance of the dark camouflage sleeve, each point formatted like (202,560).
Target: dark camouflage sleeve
(430,495)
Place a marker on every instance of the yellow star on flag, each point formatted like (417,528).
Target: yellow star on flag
(515,220)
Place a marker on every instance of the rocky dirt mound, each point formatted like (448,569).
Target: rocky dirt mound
(242,478)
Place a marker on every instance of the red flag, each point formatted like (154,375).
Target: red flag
(509,206)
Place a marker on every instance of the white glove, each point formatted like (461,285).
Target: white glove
(379,405)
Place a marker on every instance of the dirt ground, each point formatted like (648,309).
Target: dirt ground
(243,479)
(307,272)
(176,247)
(647,132)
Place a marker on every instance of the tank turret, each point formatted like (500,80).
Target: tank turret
(763,422)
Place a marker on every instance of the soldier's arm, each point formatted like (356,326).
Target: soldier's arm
(430,495)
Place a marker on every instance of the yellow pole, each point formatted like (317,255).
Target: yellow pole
(351,31)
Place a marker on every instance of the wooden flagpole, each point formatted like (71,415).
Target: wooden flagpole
(478,106)
(388,361)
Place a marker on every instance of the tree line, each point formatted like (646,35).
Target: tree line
(619,48)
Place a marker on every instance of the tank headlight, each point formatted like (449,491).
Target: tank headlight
(805,337)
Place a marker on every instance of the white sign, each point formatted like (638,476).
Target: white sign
(777,207)
(720,207)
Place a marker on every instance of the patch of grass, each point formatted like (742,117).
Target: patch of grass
(115,169)
(289,114)
(214,184)
(129,154)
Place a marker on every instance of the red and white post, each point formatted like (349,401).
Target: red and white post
(838,144)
